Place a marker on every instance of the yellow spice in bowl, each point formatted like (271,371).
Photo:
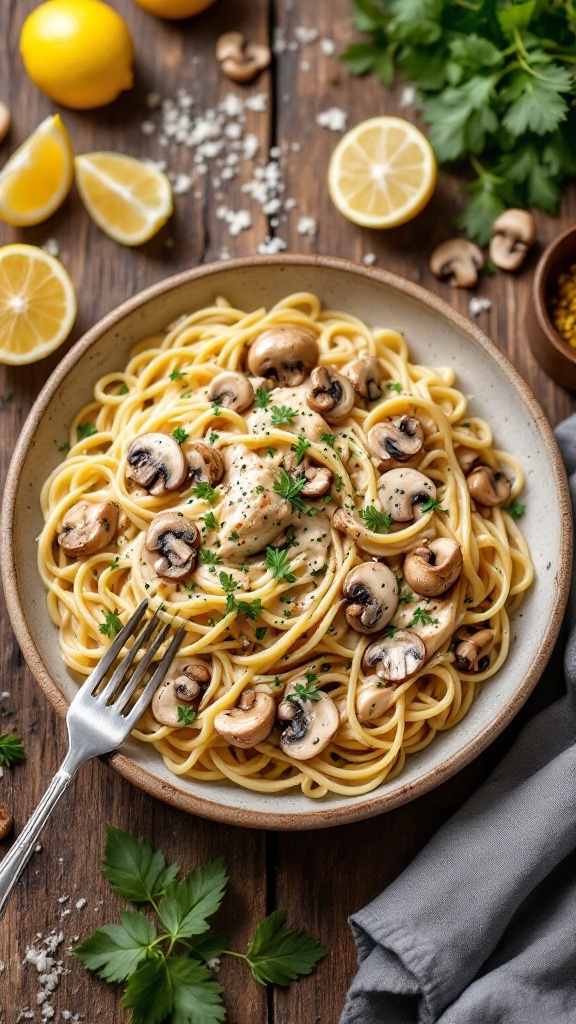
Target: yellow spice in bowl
(563,306)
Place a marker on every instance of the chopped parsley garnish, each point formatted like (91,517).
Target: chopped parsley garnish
(208,557)
(227,582)
(271,453)
(289,489)
(177,375)
(217,409)
(84,430)
(328,439)
(283,414)
(64,447)
(300,449)
(180,435)
(204,491)
(211,521)
(213,437)
(433,506)
(115,564)
(260,632)
(11,750)
(311,677)
(395,387)
(124,389)
(304,691)
(186,714)
(405,599)
(422,618)
(261,397)
(391,631)
(234,535)
(251,609)
(375,520)
(515,509)
(318,572)
(111,624)
(278,564)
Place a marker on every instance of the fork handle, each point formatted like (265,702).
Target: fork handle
(18,856)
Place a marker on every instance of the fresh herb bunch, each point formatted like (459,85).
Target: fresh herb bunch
(11,750)
(165,967)
(496,83)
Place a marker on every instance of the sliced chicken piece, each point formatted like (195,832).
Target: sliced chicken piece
(436,618)
(253,513)
(309,423)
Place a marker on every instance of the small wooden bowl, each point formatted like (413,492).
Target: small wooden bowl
(554,354)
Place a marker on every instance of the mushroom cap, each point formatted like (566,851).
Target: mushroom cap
(401,490)
(229,44)
(156,462)
(307,726)
(373,699)
(399,439)
(432,568)
(365,376)
(318,480)
(184,685)
(331,394)
(466,457)
(459,260)
(204,462)
(87,527)
(472,653)
(514,232)
(371,591)
(249,723)
(488,487)
(176,538)
(395,658)
(231,390)
(284,353)
(348,523)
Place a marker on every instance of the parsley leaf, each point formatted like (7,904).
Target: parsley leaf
(278,954)
(124,389)
(395,387)
(206,492)
(211,521)
(515,509)
(134,869)
(196,996)
(208,557)
(289,488)
(149,992)
(11,750)
(84,430)
(251,609)
(284,414)
(305,691)
(278,564)
(186,906)
(421,617)
(111,625)
(114,951)
(186,714)
(180,435)
(227,582)
(261,397)
(177,375)
(375,520)
(300,448)
(328,439)
(431,505)
(260,632)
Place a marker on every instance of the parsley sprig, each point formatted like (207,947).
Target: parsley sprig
(283,414)
(261,397)
(278,564)
(420,617)
(305,691)
(180,435)
(163,962)
(300,448)
(515,509)
(432,505)
(111,625)
(375,520)
(290,488)
(11,750)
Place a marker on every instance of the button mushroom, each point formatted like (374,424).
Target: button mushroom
(399,439)
(514,232)
(284,354)
(331,394)
(472,654)
(249,723)
(371,591)
(204,462)
(365,376)
(307,726)
(318,478)
(176,538)
(432,568)
(467,457)
(157,463)
(373,699)
(488,486)
(87,527)
(402,490)
(231,390)
(239,60)
(457,260)
(395,658)
(184,685)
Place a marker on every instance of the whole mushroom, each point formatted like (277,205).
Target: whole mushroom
(365,376)
(177,540)
(401,491)
(514,233)
(395,658)
(231,390)
(432,568)
(330,394)
(307,726)
(184,685)
(488,487)
(204,462)
(472,652)
(284,354)
(239,60)
(318,480)
(399,439)
(249,723)
(371,592)
(87,527)
(458,261)
(157,463)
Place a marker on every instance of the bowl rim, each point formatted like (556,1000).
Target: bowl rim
(541,276)
(317,816)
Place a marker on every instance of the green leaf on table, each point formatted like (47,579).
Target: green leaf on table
(11,750)
(536,103)
(196,997)
(207,947)
(134,869)
(278,954)
(185,908)
(149,992)
(115,951)
(477,218)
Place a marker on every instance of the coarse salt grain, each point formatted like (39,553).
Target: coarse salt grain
(478,305)
(52,247)
(81,903)
(305,65)
(271,246)
(407,97)
(369,259)
(147,127)
(237,220)
(257,103)
(306,35)
(307,226)
(328,47)
(334,119)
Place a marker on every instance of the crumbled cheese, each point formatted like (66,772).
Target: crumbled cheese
(307,226)
(334,119)
(369,259)
(52,247)
(328,47)
(81,903)
(41,955)
(407,97)
(478,305)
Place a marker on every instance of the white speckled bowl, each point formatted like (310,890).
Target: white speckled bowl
(437,335)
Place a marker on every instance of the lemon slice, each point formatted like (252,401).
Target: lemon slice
(382,173)
(37,304)
(37,178)
(128,199)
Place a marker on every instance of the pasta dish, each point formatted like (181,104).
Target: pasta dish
(335,532)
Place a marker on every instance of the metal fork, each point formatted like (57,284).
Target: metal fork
(97,724)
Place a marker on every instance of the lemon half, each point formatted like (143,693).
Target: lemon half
(37,178)
(37,304)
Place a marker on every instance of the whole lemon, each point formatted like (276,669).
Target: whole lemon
(79,52)
(174,8)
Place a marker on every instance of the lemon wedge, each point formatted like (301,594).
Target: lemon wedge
(382,173)
(37,178)
(128,199)
(37,304)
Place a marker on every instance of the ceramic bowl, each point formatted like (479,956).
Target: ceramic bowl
(554,354)
(437,336)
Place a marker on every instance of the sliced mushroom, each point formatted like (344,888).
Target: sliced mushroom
(331,394)
(184,685)
(231,390)
(371,591)
(402,490)
(239,60)
(307,726)
(176,538)
(204,462)
(488,486)
(365,376)
(284,354)
(472,654)
(399,439)
(157,463)
(458,260)
(395,658)
(318,481)
(432,568)
(467,457)
(373,699)
(514,232)
(249,723)
(87,527)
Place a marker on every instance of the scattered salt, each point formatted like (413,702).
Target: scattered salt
(306,35)
(328,47)
(478,305)
(237,220)
(334,119)
(369,259)
(305,65)
(81,903)
(181,183)
(147,127)
(52,247)
(257,103)
(307,226)
(271,246)
(407,97)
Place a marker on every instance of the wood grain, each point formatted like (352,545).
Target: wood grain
(321,877)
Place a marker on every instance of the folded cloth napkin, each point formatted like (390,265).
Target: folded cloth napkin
(481,927)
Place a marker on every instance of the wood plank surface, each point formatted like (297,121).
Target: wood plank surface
(320,876)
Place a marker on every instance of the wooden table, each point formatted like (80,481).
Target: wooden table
(321,877)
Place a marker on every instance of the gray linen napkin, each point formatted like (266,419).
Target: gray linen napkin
(481,927)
